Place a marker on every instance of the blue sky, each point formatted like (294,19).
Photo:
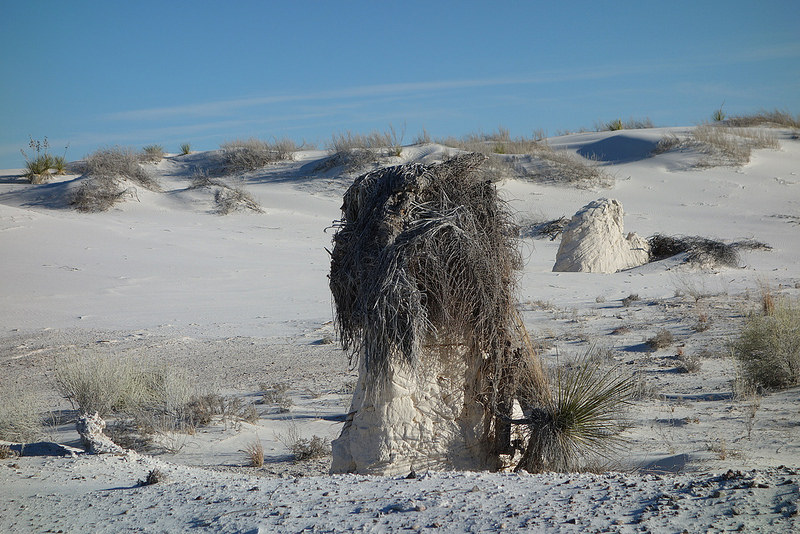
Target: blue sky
(93,74)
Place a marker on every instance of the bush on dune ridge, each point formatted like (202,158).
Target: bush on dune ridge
(248,155)
(106,171)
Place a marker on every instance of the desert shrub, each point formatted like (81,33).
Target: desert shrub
(768,348)
(630,299)
(718,115)
(20,415)
(614,125)
(662,339)
(309,449)
(97,384)
(251,154)
(581,418)
(186,148)
(153,477)
(117,163)
(7,452)
(152,154)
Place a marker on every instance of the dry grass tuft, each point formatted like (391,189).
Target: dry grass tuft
(255,453)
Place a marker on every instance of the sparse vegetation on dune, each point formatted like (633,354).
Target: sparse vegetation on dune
(531,159)
(248,155)
(355,151)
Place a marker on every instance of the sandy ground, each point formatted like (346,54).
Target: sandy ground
(240,303)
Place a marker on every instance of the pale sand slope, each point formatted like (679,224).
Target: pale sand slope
(241,301)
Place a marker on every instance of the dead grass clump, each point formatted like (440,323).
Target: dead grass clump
(541,229)
(768,348)
(251,154)
(149,405)
(661,340)
(228,198)
(700,250)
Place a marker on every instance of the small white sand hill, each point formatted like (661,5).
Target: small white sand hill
(593,241)
(241,302)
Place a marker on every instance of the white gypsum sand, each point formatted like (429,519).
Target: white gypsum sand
(240,303)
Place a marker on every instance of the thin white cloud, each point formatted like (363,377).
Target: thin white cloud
(223,107)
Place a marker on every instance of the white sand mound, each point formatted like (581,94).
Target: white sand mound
(415,423)
(593,241)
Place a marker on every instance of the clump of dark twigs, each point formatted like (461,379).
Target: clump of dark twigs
(700,250)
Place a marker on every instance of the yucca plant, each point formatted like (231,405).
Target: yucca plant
(580,419)
(37,167)
(60,164)
(615,125)
(718,114)
(185,149)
